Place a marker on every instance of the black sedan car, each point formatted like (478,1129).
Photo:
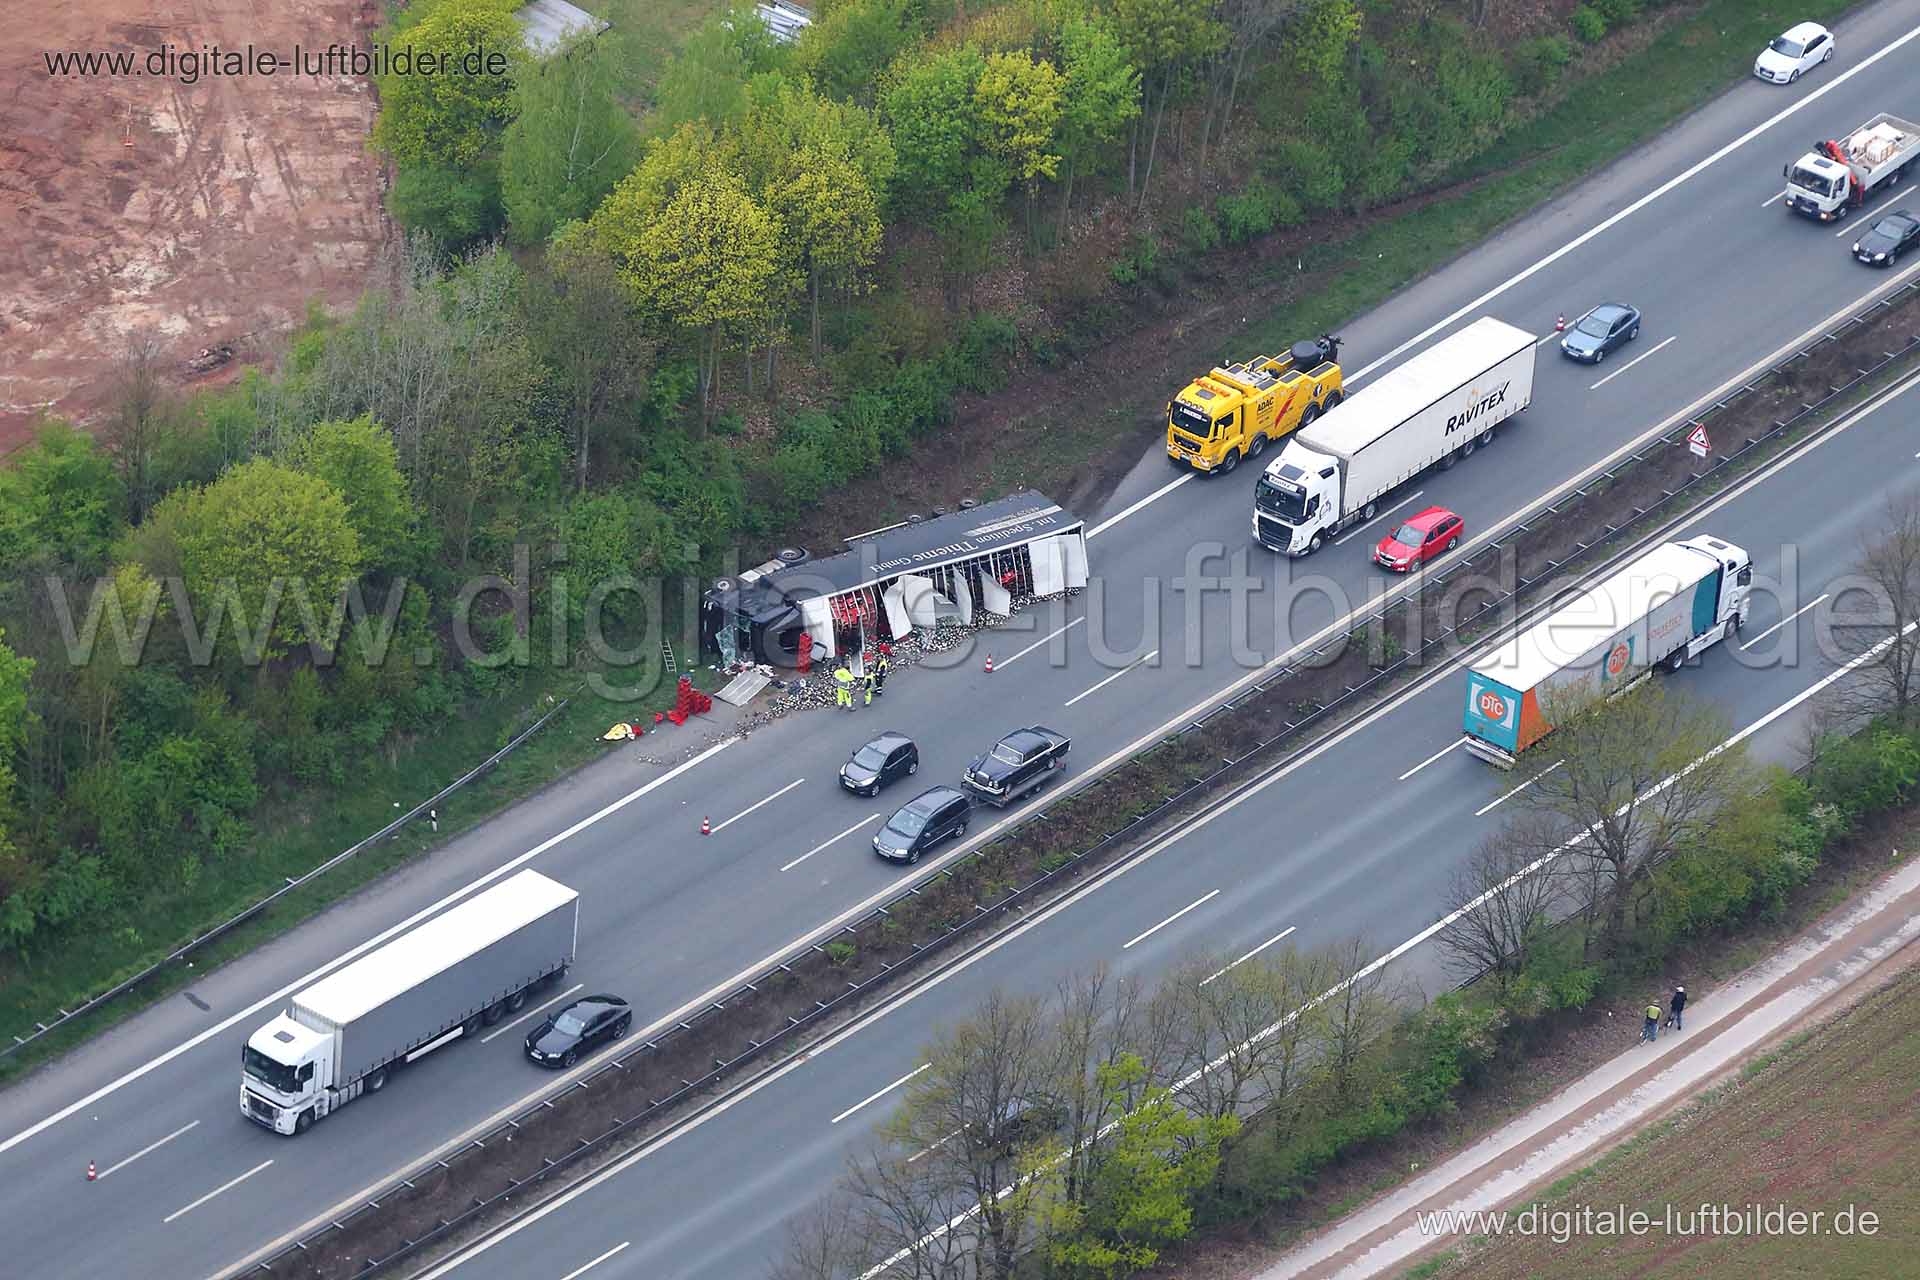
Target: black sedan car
(1016,765)
(888,758)
(578,1029)
(1887,239)
(1609,325)
(923,822)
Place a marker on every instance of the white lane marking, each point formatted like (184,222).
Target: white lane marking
(1157,494)
(306,980)
(1628,365)
(1485,809)
(225,1186)
(757,804)
(1775,196)
(925,1152)
(577,1272)
(1037,643)
(1170,919)
(874,1097)
(1738,489)
(1342,541)
(151,1146)
(1115,676)
(1219,973)
(1685,175)
(1783,622)
(824,843)
(531,1013)
(1430,759)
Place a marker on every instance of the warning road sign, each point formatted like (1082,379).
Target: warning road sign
(1697,441)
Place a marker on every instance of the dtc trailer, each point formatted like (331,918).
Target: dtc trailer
(1436,408)
(1670,604)
(464,969)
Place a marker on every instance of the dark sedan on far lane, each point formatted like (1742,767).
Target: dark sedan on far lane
(580,1028)
(1593,335)
(1887,239)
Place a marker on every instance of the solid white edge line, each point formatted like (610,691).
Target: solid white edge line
(1628,365)
(824,843)
(220,1028)
(1485,809)
(1784,621)
(881,1093)
(532,1013)
(225,1186)
(1154,848)
(577,1272)
(1201,901)
(1685,175)
(1430,759)
(111,1169)
(1138,662)
(1051,635)
(1157,494)
(1345,538)
(750,808)
(1222,972)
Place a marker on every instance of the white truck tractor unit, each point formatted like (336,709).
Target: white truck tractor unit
(349,1032)
(1436,408)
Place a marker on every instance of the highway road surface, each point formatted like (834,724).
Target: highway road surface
(1683,229)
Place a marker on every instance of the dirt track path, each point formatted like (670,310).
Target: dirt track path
(1819,974)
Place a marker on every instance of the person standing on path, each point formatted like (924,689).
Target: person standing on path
(1676,1007)
(873,682)
(843,688)
(880,666)
(1650,1026)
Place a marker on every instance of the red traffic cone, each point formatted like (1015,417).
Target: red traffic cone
(989,664)
(92,1176)
(1560,324)
(706,826)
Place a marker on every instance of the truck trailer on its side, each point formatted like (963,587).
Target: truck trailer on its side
(347,1033)
(1838,175)
(1436,408)
(1665,607)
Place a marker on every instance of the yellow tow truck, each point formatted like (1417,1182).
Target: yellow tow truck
(1239,410)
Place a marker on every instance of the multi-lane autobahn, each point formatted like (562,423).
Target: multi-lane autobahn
(1683,229)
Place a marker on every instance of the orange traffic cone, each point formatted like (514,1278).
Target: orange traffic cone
(706,826)
(1560,324)
(989,664)
(91,1175)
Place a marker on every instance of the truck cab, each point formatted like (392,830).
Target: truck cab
(1297,497)
(1818,187)
(1237,410)
(285,1069)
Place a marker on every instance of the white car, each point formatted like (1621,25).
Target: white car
(1799,50)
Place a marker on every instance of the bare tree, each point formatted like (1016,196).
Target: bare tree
(967,1119)
(584,325)
(1354,1017)
(139,416)
(1875,611)
(1502,901)
(1096,1019)
(898,1210)
(1638,777)
(822,1241)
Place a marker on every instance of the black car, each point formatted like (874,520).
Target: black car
(1609,325)
(888,758)
(1017,764)
(1887,239)
(921,823)
(581,1027)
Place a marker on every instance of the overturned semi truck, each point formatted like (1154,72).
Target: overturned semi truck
(894,579)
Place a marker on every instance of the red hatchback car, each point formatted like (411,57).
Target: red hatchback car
(1419,539)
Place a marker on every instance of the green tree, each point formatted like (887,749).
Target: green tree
(451,119)
(459,206)
(832,222)
(934,118)
(710,260)
(1099,98)
(1163,38)
(358,459)
(60,499)
(849,44)
(257,535)
(569,142)
(787,117)
(1019,102)
(17,873)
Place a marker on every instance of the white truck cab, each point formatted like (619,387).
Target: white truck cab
(284,1066)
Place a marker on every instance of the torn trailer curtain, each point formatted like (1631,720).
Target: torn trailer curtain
(896,578)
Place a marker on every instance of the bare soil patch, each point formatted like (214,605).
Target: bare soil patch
(204,214)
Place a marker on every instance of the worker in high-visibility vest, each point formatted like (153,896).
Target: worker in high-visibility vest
(880,665)
(843,688)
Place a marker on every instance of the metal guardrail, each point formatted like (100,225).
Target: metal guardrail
(1228,771)
(220,930)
